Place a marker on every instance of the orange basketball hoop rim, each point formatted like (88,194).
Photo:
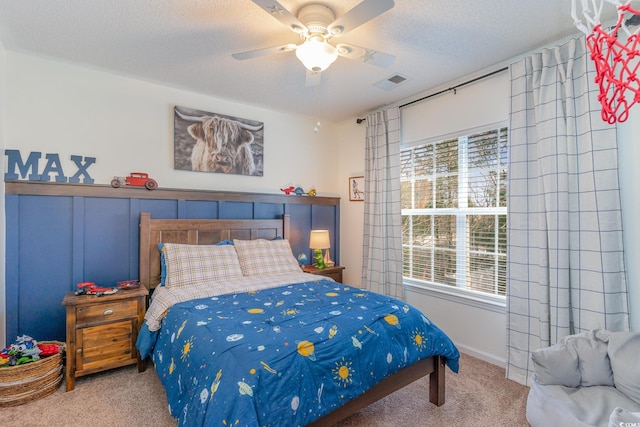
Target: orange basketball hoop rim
(616,62)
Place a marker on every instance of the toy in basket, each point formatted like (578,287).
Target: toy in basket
(29,370)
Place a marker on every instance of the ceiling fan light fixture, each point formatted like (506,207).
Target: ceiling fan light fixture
(316,54)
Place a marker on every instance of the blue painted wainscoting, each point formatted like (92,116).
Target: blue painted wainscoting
(62,234)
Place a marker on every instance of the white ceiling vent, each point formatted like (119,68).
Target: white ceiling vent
(391,82)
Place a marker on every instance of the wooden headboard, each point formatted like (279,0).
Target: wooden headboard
(198,232)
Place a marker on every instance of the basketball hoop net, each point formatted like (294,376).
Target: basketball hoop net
(616,63)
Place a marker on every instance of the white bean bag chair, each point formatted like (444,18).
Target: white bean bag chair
(587,379)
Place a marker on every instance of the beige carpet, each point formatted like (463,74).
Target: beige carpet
(478,396)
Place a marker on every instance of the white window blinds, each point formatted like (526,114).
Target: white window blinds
(454,211)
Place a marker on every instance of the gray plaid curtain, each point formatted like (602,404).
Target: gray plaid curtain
(382,242)
(565,269)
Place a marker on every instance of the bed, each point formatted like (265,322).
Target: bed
(264,343)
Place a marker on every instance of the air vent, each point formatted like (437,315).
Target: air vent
(391,82)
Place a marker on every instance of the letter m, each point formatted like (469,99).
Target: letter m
(15,161)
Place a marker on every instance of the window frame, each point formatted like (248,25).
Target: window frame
(467,296)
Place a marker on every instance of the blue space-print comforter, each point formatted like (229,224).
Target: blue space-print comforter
(285,356)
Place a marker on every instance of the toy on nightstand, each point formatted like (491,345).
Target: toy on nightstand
(90,288)
(312,192)
(302,259)
(318,259)
(129,284)
(298,191)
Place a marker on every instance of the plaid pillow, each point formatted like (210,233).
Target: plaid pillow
(190,264)
(163,264)
(265,256)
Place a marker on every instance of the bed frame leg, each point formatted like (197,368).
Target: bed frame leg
(436,382)
(142,364)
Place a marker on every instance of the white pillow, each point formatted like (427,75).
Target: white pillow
(556,365)
(192,264)
(265,256)
(575,360)
(593,359)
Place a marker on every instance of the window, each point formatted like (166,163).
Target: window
(454,212)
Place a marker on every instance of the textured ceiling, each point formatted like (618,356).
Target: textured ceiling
(188,44)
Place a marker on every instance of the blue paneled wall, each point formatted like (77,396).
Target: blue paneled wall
(62,234)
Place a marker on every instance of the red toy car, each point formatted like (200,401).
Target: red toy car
(135,179)
(90,288)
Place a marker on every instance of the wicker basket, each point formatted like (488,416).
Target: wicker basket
(31,381)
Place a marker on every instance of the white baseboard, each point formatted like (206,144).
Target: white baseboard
(478,354)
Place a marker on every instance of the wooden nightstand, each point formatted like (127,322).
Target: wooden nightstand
(334,272)
(102,332)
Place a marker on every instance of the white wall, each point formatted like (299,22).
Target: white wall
(352,138)
(127,124)
(478,104)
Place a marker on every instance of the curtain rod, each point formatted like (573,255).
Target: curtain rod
(453,88)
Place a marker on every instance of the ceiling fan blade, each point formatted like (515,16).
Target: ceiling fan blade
(373,57)
(275,9)
(262,52)
(313,78)
(365,11)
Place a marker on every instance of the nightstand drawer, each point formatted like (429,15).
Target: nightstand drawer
(107,311)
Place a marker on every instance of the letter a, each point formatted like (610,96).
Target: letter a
(53,165)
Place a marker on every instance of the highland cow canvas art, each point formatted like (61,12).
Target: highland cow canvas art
(211,142)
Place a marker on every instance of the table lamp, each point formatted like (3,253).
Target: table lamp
(319,240)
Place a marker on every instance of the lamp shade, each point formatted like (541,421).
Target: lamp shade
(316,54)
(319,239)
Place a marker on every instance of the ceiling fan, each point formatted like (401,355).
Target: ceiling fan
(316,24)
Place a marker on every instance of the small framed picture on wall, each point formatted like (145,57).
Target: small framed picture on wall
(356,188)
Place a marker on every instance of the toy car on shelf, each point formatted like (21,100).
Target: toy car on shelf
(135,179)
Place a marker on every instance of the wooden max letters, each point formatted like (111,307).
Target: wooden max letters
(18,169)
